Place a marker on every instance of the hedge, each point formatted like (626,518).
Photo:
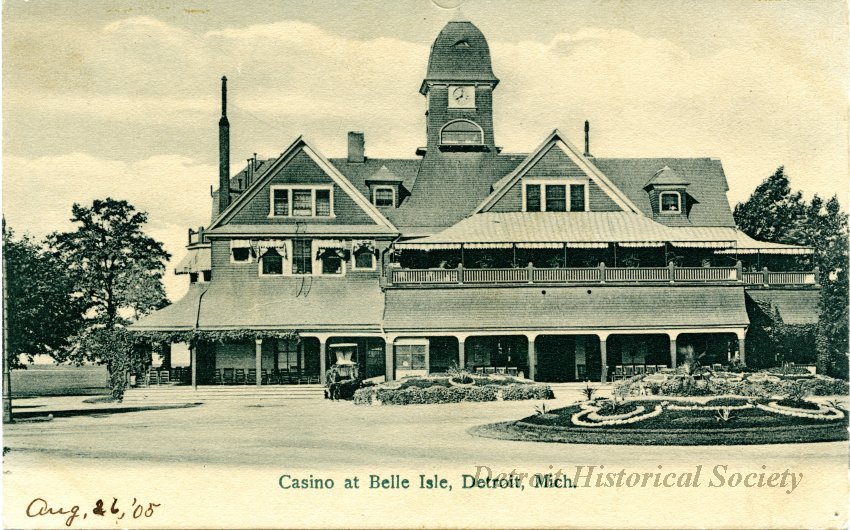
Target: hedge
(439,394)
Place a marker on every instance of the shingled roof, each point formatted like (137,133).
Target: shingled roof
(460,53)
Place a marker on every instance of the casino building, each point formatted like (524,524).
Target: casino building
(556,264)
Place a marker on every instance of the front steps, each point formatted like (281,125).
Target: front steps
(185,394)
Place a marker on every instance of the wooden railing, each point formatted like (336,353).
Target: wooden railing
(601,274)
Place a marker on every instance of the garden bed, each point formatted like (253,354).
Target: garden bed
(656,422)
(439,389)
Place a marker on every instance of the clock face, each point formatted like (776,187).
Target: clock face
(462,97)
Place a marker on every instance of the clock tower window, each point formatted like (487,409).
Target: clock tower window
(461,132)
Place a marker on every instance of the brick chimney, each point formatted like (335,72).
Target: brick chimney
(587,139)
(356,147)
(223,152)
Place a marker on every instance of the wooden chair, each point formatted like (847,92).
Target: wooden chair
(501,370)
(581,369)
(717,367)
(217,376)
(640,369)
(264,377)
(240,376)
(659,367)
(512,370)
(151,377)
(489,370)
(252,377)
(164,377)
(479,369)
(228,376)
(628,371)
(618,372)
(650,368)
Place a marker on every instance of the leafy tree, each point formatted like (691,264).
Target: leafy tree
(42,311)
(775,213)
(117,269)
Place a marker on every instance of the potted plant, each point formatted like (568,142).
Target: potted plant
(460,376)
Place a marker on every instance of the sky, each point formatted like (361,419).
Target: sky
(121,98)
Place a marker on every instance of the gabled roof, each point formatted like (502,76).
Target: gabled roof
(299,145)
(558,140)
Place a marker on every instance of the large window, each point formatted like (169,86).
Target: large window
(302,256)
(331,263)
(462,132)
(410,356)
(271,263)
(671,202)
(383,196)
(364,259)
(552,196)
(301,201)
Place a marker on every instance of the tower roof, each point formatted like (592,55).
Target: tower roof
(460,53)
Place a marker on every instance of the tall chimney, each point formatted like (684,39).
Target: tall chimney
(223,152)
(587,138)
(356,147)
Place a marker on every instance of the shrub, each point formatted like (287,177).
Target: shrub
(519,392)
(365,396)
(481,393)
(827,386)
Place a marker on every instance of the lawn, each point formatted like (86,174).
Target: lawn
(59,380)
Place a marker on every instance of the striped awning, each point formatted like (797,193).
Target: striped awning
(539,245)
(703,244)
(279,245)
(487,245)
(427,246)
(641,244)
(196,260)
(586,245)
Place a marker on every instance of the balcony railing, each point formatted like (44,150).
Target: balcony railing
(601,274)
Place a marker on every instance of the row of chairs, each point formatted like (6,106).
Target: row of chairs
(240,376)
(624,371)
(166,377)
(504,370)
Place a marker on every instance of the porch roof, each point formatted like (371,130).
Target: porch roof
(284,303)
(533,308)
(197,259)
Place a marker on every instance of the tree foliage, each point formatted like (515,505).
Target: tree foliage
(42,313)
(776,213)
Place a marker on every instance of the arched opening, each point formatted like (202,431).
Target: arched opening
(461,132)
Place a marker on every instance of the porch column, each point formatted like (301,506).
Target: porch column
(193,360)
(389,357)
(323,361)
(603,357)
(532,357)
(461,351)
(258,354)
(742,354)
(674,348)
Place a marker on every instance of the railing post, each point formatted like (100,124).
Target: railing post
(817,275)
(765,279)
(602,272)
(671,271)
(739,271)
(460,273)
(530,271)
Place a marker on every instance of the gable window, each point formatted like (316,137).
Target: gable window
(532,198)
(301,201)
(577,194)
(671,202)
(383,196)
(280,204)
(463,132)
(542,196)
(556,198)
(302,257)
(271,264)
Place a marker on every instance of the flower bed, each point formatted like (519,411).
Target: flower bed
(437,389)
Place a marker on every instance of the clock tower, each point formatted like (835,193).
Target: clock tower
(459,88)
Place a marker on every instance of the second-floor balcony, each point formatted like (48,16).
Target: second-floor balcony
(599,275)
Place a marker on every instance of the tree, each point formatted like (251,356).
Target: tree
(42,311)
(775,213)
(117,269)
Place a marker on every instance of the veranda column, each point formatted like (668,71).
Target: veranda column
(258,354)
(603,358)
(323,361)
(193,360)
(389,357)
(532,357)
(742,354)
(674,348)
(461,351)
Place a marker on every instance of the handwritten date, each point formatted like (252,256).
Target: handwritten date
(40,507)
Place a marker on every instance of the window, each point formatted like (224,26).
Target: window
(577,192)
(462,132)
(331,264)
(302,256)
(543,196)
(532,198)
(410,356)
(241,251)
(323,203)
(280,206)
(364,259)
(383,196)
(271,263)
(556,198)
(671,202)
(241,254)
(302,201)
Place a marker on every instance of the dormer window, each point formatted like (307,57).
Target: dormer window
(670,202)
(384,196)
(462,132)
(554,196)
(301,201)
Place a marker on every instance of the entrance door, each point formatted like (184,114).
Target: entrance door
(556,361)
